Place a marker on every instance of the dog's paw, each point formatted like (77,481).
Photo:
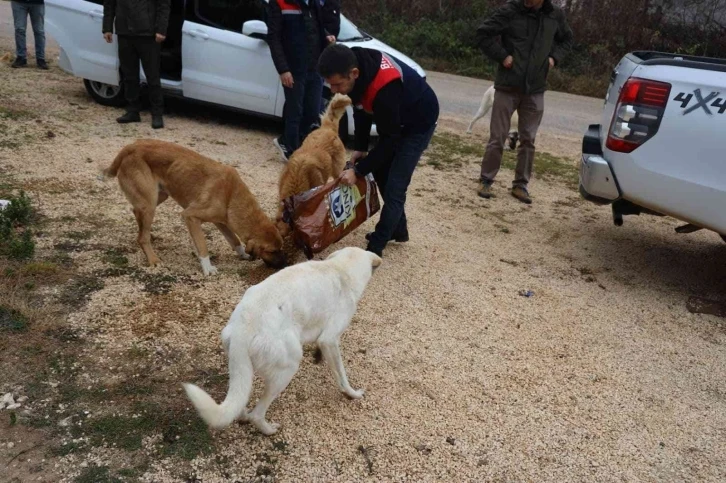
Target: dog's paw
(353,394)
(242,253)
(268,429)
(207,267)
(211,270)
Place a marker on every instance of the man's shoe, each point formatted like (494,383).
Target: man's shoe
(129,117)
(157,122)
(398,237)
(42,64)
(520,192)
(284,151)
(485,190)
(377,251)
(19,62)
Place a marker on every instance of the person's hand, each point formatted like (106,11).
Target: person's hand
(507,63)
(160,38)
(331,39)
(552,62)
(108,36)
(287,80)
(348,177)
(356,156)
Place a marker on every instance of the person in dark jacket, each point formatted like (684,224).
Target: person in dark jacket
(140,28)
(298,30)
(405,109)
(535,38)
(36,10)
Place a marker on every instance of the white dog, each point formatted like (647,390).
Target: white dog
(486,104)
(311,302)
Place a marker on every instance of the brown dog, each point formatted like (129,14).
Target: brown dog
(149,171)
(321,157)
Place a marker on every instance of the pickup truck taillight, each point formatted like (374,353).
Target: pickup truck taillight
(638,114)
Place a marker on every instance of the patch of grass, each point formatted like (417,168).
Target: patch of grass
(79,235)
(97,474)
(114,256)
(68,448)
(12,320)
(155,284)
(450,150)
(76,293)
(40,269)
(16,237)
(15,114)
(184,434)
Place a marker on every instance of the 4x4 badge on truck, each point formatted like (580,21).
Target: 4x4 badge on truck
(700,102)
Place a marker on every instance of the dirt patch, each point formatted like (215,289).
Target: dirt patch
(574,382)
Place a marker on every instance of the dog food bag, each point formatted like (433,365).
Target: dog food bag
(325,214)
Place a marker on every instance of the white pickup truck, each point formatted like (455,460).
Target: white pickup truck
(661,145)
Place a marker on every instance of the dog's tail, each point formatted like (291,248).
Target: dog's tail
(112,170)
(335,111)
(219,416)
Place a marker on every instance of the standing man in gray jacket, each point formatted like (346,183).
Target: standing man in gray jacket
(141,28)
(535,38)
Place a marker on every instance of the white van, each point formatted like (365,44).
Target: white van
(215,52)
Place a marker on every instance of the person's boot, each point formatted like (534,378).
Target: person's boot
(401,237)
(42,64)
(157,122)
(129,117)
(485,190)
(19,62)
(375,250)
(521,193)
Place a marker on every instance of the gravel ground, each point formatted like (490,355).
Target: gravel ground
(601,375)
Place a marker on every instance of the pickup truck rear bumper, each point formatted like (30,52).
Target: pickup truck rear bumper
(597,181)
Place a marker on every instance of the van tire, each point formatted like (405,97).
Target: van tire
(105,94)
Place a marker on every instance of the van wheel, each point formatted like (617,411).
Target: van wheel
(105,94)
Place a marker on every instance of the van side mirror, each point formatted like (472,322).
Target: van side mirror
(257,29)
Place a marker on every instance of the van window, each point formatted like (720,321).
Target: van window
(224,14)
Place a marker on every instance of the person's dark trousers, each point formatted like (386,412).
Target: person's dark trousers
(302,108)
(131,50)
(21,11)
(393,180)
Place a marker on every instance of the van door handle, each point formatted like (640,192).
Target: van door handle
(96,14)
(199,34)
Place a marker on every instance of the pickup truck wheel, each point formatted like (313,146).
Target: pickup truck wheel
(105,94)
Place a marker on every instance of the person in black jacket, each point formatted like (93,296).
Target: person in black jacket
(298,30)
(36,10)
(141,28)
(405,110)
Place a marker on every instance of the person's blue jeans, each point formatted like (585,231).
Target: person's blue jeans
(393,179)
(302,108)
(37,20)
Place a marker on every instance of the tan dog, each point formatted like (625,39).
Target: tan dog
(149,171)
(320,158)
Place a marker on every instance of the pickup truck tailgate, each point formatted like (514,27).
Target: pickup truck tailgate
(681,171)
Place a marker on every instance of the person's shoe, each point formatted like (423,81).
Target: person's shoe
(157,122)
(129,117)
(284,151)
(372,249)
(19,62)
(397,237)
(520,192)
(42,64)
(485,190)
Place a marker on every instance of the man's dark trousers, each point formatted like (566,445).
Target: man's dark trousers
(302,108)
(131,50)
(393,179)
